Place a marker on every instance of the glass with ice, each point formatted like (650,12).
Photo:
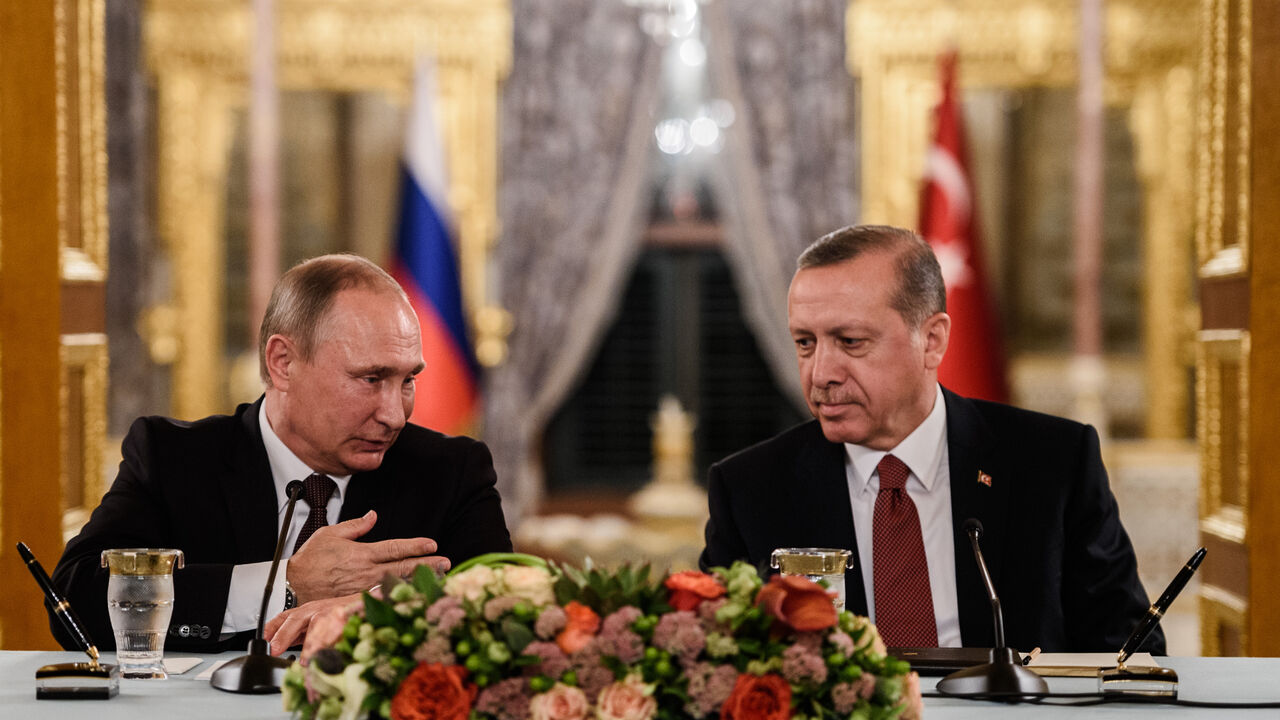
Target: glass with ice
(826,564)
(140,602)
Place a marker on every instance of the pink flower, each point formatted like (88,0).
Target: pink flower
(506,700)
(630,699)
(618,639)
(472,584)
(842,643)
(499,606)
(561,702)
(680,634)
(446,613)
(709,686)
(912,703)
(803,666)
(436,649)
(553,661)
(550,622)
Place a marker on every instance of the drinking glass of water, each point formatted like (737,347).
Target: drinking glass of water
(140,601)
(826,564)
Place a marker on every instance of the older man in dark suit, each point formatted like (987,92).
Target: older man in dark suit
(895,464)
(339,350)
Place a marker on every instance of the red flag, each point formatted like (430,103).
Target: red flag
(974,363)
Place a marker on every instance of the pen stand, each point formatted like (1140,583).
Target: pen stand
(77,681)
(1137,680)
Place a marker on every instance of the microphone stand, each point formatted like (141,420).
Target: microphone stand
(1004,675)
(260,672)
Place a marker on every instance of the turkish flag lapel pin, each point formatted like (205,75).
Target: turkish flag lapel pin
(984,479)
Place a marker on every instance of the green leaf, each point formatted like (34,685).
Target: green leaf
(428,583)
(377,612)
(517,635)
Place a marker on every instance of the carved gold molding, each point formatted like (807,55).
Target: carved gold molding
(197,51)
(1220,609)
(1150,54)
(1222,183)
(82,401)
(82,156)
(1222,409)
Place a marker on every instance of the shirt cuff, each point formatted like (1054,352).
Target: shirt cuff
(244,599)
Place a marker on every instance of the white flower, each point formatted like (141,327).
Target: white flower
(472,584)
(529,583)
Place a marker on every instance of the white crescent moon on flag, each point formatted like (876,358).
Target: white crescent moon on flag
(943,168)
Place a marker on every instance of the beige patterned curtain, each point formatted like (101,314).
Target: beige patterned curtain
(789,170)
(577,129)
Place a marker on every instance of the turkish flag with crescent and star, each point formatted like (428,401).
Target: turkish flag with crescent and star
(974,365)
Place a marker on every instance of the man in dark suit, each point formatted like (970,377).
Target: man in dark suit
(894,465)
(339,349)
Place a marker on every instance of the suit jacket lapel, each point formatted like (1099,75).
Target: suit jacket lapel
(248,490)
(971,447)
(822,480)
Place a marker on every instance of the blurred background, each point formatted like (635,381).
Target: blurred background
(625,185)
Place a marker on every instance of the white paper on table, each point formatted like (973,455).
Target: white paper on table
(1084,664)
(179,665)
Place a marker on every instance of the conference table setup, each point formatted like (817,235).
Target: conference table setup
(190,695)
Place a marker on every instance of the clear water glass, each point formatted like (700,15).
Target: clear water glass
(825,564)
(140,602)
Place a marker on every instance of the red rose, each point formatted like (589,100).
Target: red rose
(582,624)
(689,588)
(798,602)
(758,697)
(434,692)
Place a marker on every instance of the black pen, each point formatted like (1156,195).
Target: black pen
(60,606)
(1158,609)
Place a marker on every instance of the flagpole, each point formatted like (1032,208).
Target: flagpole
(1088,374)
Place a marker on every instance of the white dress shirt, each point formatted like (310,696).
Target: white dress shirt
(924,452)
(248,581)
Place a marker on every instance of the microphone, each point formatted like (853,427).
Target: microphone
(1003,675)
(260,672)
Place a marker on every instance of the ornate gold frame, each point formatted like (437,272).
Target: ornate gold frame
(84,355)
(1150,67)
(197,51)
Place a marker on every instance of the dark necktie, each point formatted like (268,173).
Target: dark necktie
(316,490)
(904,602)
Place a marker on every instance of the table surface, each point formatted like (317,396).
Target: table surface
(186,696)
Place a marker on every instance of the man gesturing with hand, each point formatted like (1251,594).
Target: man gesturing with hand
(339,349)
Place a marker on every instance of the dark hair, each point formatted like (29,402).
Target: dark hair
(303,296)
(920,293)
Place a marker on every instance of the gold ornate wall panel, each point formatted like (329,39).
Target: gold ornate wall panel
(83,415)
(197,51)
(82,145)
(1150,70)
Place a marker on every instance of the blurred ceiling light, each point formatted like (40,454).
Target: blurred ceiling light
(673,137)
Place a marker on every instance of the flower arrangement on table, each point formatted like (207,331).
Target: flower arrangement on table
(508,636)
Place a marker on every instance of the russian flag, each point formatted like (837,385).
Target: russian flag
(426,266)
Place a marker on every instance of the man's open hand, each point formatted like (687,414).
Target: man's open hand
(332,564)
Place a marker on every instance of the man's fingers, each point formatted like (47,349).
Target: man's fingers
(354,528)
(404,568)
(274,624)
(401,548)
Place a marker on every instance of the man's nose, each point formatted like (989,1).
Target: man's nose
(391,407)
(827,367)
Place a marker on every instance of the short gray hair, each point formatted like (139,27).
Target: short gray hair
(303,296)
(920,293)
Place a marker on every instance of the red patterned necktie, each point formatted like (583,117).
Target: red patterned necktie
(316,490)
(904,602)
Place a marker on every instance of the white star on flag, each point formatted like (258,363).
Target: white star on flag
(953,256)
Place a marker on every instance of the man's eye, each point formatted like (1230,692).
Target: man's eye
(852,342)
(803,343)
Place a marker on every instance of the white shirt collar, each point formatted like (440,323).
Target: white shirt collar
(921,451)
(286,466)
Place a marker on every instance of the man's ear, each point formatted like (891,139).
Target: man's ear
(281,356)
(936,333)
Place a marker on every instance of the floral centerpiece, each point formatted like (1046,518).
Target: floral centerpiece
(509,636)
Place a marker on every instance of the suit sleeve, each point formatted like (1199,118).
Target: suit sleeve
(475,525)
(724,542)
(1103,599)
(139,512)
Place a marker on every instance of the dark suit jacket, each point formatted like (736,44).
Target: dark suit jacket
(1061,562)
(206,489)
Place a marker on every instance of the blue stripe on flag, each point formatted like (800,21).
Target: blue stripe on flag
(426,250)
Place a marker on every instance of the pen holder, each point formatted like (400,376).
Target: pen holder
(1138,680)
(77,681)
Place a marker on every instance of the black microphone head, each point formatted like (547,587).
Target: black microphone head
(294,488)
(973,525)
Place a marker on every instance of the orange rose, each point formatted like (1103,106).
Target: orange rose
(757,697)
(689,588)
(583,622)
(434,692)
(798,602)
